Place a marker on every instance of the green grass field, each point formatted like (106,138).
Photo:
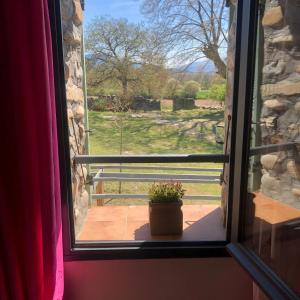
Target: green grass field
(161,132)
(186,131)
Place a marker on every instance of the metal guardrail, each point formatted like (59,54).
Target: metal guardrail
(100,176)
(145,196)
(265,149)
(125,167)
(152,177)
(180,158)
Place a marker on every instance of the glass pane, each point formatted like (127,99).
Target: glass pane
(142,79)
(273,203)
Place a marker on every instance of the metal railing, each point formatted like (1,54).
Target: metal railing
(181,158)
(101,163)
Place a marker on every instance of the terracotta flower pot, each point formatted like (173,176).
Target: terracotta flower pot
(165,218)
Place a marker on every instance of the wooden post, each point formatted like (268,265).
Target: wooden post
(100,190)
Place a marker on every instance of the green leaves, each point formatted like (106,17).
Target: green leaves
(218,92)
(166,192)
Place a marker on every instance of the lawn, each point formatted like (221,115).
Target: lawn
(161,132)
(186,131)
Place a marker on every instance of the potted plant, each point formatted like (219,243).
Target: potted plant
(165,213)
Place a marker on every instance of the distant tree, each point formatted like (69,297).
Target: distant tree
(205,80)
(116,49)
(194,29)
(190,89)
(172,88)
(153,79)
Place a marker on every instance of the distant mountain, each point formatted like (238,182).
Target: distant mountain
(206,67)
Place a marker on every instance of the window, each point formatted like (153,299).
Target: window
(258,158)
(272,209)
(266,204)
(141,109)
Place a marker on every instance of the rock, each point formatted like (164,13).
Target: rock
(274,68)
(270,183)
(296,192)
(81,130)
(74,93)
(283,36)
(78,74)
(83,172)
(72,141)
(72,35)
(273,16)
(291,169)
(269,161)
(70,113)
(67,71)
(291,14)
(285,120)
(77,213)
(276,105)
(297,106)
(283,39)
(297,68)
(67,9)
(84,199)
(78,15)
(79,113)
(285,87)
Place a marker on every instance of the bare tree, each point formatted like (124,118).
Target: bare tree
(193,29)
(115,48)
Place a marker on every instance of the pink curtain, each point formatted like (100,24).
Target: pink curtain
(31,265)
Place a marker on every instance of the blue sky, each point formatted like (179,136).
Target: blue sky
(129,9)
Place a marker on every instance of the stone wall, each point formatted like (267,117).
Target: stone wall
(141,103)
(228,105)
(280,96)
(72,17)
(183,103)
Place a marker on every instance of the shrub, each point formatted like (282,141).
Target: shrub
(203,94)
(217,92)
(166,192)
(100,104)
(190,89)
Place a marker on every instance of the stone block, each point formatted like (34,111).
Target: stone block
(297,106)
(297,68)
(285,88)
(270,183)
(276,105)
(78,14)
(274,69)
(79,113)
(273,16)
(74,93)
(83,173)
(70,113)
(296,192)
(269,161)
(72,34)
(67,9)
(283,35)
